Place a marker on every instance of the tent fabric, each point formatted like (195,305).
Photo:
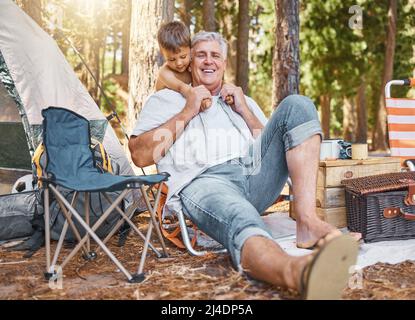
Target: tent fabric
(42,78)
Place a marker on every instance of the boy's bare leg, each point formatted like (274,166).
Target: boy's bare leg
(303,166)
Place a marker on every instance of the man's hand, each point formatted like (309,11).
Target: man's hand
(234,96)
(194,103)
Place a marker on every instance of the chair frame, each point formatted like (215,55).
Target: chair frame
(69,211)
(49,186)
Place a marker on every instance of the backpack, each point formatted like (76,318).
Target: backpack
(102,161)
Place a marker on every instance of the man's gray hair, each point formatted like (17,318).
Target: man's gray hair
(211,36)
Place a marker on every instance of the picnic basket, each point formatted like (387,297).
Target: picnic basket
(381,207)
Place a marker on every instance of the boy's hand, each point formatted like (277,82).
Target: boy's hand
(234,97)
(194,101)
(206,104)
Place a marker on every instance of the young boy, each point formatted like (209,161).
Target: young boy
(174,43)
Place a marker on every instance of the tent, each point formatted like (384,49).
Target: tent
(34,75)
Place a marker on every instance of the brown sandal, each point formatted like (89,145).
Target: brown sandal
(325,277)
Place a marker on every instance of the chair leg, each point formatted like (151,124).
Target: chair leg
(75,231)
(47,231)
(145,249)
(152,210)
(91,232)
(63,233)
(132,225)
(188,243)
(86,210)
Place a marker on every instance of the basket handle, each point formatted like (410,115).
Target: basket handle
(390,213)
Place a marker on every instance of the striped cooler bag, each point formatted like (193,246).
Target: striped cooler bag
(401,122)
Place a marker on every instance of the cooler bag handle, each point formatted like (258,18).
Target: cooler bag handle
(390,213)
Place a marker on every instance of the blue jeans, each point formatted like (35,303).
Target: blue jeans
(226,200)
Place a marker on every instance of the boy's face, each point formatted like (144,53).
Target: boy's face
(177,61)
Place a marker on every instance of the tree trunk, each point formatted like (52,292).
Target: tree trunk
(325,115)
(126,41)
(34,9)
(380,140)
(91,55)
(349,123)
(209,23)
(361,131)
(242,52)
(227,26)
(145,58)
(114,53)
(286,60)
(185,11)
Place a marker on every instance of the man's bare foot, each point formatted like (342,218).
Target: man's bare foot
(312,232)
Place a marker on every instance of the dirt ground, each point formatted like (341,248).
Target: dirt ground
(179,277)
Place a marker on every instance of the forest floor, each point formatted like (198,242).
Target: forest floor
(174,277)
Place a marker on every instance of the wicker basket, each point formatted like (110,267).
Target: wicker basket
(381,207)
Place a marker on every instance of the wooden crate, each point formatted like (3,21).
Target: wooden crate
(330,196)
(332,172)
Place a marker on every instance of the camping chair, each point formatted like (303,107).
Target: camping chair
(178,233)
(70,165)
(401,124)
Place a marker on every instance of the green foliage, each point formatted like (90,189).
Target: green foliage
(261,53)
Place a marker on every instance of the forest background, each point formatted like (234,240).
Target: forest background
(340,53)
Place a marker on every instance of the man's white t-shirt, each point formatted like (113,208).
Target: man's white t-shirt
(212,137)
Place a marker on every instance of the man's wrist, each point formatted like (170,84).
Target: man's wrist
(245,111)
(186,115)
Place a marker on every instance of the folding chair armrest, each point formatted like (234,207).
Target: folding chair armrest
(153,179)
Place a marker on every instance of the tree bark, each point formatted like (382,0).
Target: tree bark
(91,55)
(114,53)
(145,58)
(286,60)
(361,131)
(209,23)
(349,120)
(227,26)
(242,51)
(325,115)
(185,11)
(34,9)
(380,140)
(125,41)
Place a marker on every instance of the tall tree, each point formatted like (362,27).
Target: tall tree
(125,40)
(145,57)
(380,141)
(185,11)
(34,9)
(325,115)
(286,60)
(361,130)
(93,43)
(242,51)
(227,26)
(209,23)
(349,119)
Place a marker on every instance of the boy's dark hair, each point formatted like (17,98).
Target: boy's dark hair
(173,35)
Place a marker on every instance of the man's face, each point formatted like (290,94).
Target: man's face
(208,65)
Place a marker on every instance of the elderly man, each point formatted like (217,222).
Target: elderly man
(228,165)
